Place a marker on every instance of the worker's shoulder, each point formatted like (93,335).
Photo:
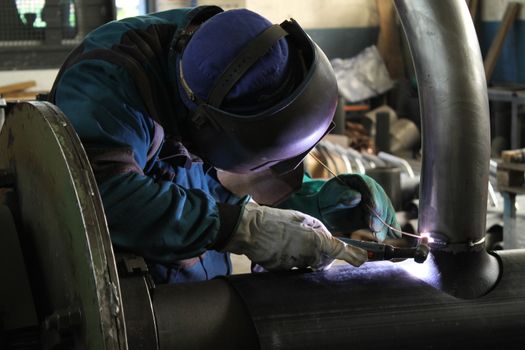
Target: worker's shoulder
(176,16)
(182,16)
(112,32)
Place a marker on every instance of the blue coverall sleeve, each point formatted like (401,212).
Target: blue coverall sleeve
(162,221)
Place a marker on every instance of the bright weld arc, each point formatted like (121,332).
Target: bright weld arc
(371,209)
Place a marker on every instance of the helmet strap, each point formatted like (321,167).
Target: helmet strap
(248,56)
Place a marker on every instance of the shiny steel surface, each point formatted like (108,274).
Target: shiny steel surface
(203,315)
(455,118)
(379,305)
(456,141)
(383,305)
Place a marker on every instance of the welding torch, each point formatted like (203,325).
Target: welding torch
(381,251)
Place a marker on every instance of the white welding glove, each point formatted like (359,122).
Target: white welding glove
(279,239)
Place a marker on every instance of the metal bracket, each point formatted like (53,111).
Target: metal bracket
(133,265)
(136,285)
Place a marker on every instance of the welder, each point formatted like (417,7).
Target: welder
(163,103)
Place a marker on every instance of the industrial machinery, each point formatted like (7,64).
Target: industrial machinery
(64,288)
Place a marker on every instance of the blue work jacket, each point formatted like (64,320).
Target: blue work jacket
(119,90)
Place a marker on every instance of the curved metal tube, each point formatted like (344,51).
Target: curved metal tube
(456,149)
(454,115)
(387,157)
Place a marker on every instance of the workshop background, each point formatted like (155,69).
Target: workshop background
(32,49)
(378,118)
(361,37)
(342,27)
(378,124)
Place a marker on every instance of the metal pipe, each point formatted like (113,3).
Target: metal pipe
(387,157)
(456,150)
(373,160)
(376,306)
(346,308)
(358,158)
(203,315)
(346,160)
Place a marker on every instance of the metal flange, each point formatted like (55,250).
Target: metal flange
(63,231)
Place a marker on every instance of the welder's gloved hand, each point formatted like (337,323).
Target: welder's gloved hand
(346,204)
(280,239)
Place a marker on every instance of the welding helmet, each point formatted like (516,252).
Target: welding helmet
(238,132)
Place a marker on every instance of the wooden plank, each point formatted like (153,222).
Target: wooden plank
(510,189)
(513,156)
(5,89)
(491,59)
(389,41)
(21,95)
(473,6)
(511,166)
(509,178)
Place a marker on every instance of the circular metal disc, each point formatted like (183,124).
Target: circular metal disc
(64,228)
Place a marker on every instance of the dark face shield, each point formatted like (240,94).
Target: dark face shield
(279,137)
(271,185)
(265,186)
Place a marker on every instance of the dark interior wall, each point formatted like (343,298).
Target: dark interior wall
(344,42)
(27,46)
(14,54)
(510,68)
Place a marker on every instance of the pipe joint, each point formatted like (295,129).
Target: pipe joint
(440,242)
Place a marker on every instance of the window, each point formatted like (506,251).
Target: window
(130,8)
(40,33)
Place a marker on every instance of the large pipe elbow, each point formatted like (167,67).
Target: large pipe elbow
(455,138)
